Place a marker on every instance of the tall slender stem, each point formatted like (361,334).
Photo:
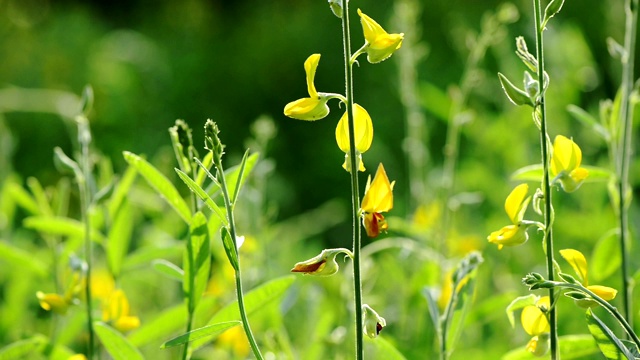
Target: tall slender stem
(355,197)
(232,232)
(546,183)
(625,151)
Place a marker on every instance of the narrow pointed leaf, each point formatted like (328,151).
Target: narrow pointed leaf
(229,247)
(610,346)
(119,238)
(202,195)
(431,294)
(20,259)
(589,121)
(380,349)
(122,190)
(169,269)
(516,96)
(528,173)
(23,349)
(160,183)
(241,176)
(237,175)
(116,344)
(196,261)
(61,226)
(210,330)
(207,161)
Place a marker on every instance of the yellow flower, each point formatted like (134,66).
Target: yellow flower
(315,106)
(53,302)
(373,323)
(116,312)
(379,44)
(77,357)
(515,206)
(363,135)
(565,164)
(535,323)
(579,264)
(324,264)
(235,339)
(378,198)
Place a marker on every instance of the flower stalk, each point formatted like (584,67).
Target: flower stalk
(540,110)
(353,171)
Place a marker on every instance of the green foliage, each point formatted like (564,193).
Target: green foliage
(116,345)
(609,344)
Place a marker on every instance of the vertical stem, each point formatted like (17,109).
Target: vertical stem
(625,152)
(355,197)
(546,184)
(185,351)
(84,138)
(232,233)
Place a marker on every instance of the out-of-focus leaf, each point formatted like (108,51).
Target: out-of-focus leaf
(519,303)
(381,349)
(209,330)
(122,189)
(196,261)
(22,198)
(23,349)
(116,344)
(39,195)
(206,162)
(23,260)
(119,238)
(142,257)
(528,173)
(570,347)
(61,226)
(609,344)
(253,300)
(605,259)
(161,184)
(589,121)
(435,101)
(432,294)
(169,269)
(164,324)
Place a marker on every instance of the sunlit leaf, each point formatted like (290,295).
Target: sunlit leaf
(381,349)
(519,303)
(119,238)
(605,259)
(61,226)
(210,330)
(202,195)
(21,259)
(589,121)
(196,261)
(610,346)
(237,175)
(23,349)
(169,269)
(115,343)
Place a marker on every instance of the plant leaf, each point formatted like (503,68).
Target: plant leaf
(171,270)
(589,121)
(519,303)
(229,247)
(237,175)
(160,183)
(23,349)
(119,238)
(570,347)
(121,190)
(116,344)
(202,195)
(209,330)
(61,226)
(20,259)
(380,349)
(605,259)
(528,173)
(431,294)
(609,344)
(196,261)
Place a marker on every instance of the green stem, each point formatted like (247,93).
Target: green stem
(546,183)
(84,138)
(185,351)
(625,151)
(232,233)
(355,197)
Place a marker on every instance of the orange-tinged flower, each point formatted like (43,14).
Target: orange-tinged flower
(379,45)
(565,164)
(378,198)
(515,207)
(315,106)
(363,135)
(324,264)
(116,312)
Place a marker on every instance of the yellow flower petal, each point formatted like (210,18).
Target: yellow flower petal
(605,292)
(516,202)
(309,109)
(310,66)
(378,196)
(53,302)
(578,262)
(534,321)
(127,323)
(510,235)
(363,130)
(381,45)
(567,156)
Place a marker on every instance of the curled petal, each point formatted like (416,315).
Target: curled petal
(510,235)
(374,224)
(381,45)
(516,203)
(310,66)
(309,109)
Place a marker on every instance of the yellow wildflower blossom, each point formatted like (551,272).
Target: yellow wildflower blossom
(565,164)
(315,106)
(379,45)
(515,207)
(378,198)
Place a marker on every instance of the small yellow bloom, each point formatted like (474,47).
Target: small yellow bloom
(315,106)
(53,302)
(515,207)
(565,164)
(235,339)
(538,345)
(535,323)
(116,312)
(379,44)
(373,323)
(363,134)
(324,264)
(378,198)
(579,264)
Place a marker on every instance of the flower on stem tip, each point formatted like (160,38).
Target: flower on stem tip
(579,264)
(379,44)
(515,206)
(535,323)
(115,311)
(363,135)
(378,198)
(373,323)
(565,164)
(324,264)
(315,106)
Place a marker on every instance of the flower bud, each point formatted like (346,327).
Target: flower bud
(324,264)
(373,323)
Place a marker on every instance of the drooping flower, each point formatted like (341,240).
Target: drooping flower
(515,206)
(535,322)
(379,44)
(363,135)
(378,198)
(579,264)
(324,264)
(315,106)
(565,164)
(373,323)
(115,311)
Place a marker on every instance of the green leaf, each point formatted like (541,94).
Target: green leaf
(122,190)
(167,322)
(597,174)
(116,345)
(435,101)
(161,184)
(196,261)
(196,189)
(519,303)
(207,161)
(142,257)
(380,349)
(605,258)
(552,9)
(23,349)
(432,294)
(570,347)
(119,238)
(237,175)
(209,330)
(254,300)
(528,173)
(229,247)
(61,226)
(516,96)
(589,121)
(609,344)
(40,196)
(171,270)
(22,198)
(22,260)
